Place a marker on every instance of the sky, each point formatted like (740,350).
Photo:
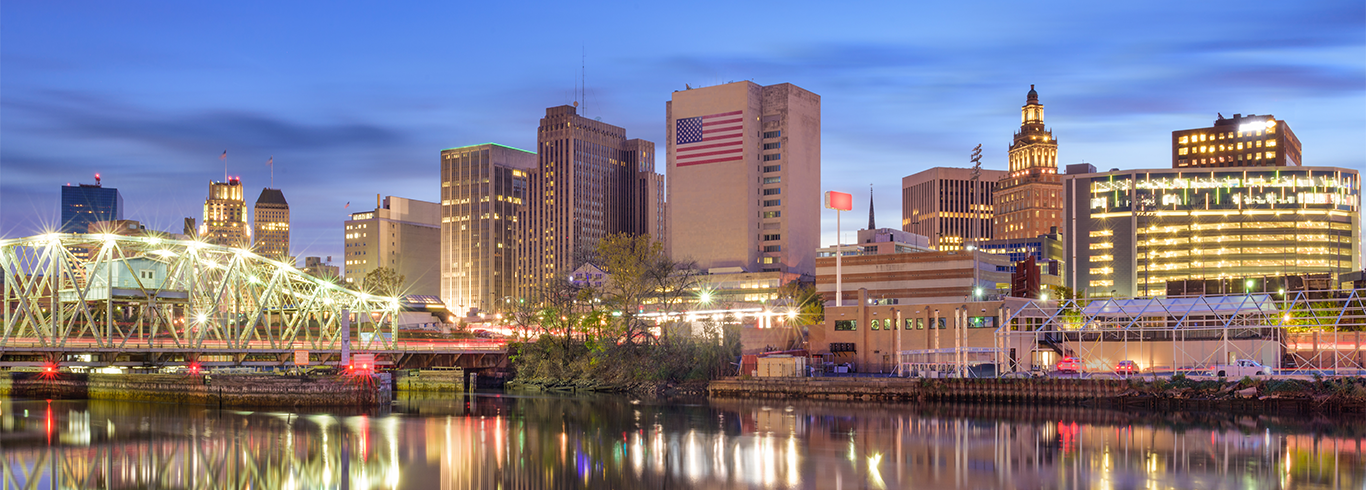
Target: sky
(354,99)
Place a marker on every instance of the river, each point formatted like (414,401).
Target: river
(506,441)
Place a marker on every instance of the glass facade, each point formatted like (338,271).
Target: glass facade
(85,204)
(1139,229)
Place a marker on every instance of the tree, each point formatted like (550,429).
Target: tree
(561,312)
(639,272)
(807,308)
(383,281)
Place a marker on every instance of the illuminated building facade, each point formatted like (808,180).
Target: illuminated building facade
(270,221)
(948,207)
(744,167)
(483,189)
(590,181)
(1240,141)
(1028,199)
(401,234)
(225,215)
(1129,232)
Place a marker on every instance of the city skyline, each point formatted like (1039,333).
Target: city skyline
(101,90)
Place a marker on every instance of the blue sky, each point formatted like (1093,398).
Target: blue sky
(354,99)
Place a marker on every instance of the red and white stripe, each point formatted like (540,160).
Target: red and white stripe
(723,140)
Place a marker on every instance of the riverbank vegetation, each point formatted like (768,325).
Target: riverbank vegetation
(626,327)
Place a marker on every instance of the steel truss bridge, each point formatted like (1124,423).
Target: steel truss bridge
(104,299)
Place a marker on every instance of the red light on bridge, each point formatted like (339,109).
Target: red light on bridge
(194,368)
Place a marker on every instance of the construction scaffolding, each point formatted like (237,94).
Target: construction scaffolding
(1293,332)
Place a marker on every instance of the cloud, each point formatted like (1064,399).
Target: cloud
(82,115)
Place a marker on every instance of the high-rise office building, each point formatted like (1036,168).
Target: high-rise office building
(744,177)
(401,234)
(270,221)
(225,215)
(1240,141)
(1129,232)
(1028,199)
(590,181)
(948,206)
(84,204)
(650,213)
(483,190)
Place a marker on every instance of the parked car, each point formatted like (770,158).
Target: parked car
(1070,365)
(1126,367)
(1241,368)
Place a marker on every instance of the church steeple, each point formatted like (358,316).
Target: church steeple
(872,225)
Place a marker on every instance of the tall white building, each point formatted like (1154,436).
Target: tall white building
(744,177)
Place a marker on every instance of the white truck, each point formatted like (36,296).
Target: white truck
(1241,369)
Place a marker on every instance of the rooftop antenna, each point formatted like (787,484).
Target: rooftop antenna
(271,163)
(224,158)
(583,76)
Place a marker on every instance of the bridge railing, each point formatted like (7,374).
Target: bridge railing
(80,345)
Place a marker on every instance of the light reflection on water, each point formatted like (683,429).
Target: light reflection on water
(491,441)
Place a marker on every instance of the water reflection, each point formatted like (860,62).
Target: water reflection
(491,441)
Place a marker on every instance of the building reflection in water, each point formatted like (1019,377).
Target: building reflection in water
(491,441)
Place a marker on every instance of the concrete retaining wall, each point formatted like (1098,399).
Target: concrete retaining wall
(215,390)
(939,390)
(441,381)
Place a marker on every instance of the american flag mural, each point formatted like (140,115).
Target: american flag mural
(709,139)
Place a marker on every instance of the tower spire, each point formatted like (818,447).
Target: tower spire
(872,225)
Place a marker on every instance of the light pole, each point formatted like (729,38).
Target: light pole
(838,201)
(976,159)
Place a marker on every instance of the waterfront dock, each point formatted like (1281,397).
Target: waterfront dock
(1340,395)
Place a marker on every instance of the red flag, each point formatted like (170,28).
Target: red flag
(348,204)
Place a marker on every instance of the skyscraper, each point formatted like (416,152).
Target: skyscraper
(400,234)
(271,224)
(483,189)
(590,181)
(225,215)
(946,205)
(744,177)
(1240,141)
(1028,200)
(84,204)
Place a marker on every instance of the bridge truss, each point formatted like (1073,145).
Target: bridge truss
(107,294)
